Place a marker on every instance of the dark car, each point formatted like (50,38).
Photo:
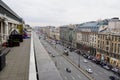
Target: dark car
(90,57)
(68,70)
(102,63)
(114,78)
(97,61)
(85,56)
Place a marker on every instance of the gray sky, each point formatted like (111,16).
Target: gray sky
(62,12)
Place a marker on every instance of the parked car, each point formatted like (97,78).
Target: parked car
(115,70)
(106,67)
(85,56)
(89,70)
(102,63)
(71,49)
(97,61)
(90,57)
(94,60)
(114,78)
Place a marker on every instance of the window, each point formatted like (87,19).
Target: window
(107,48)
(119,39)
(4,28)
(115,38)
(0,27)
(119,48)
(107,42)
(115,47)
(98,46)
(114,55)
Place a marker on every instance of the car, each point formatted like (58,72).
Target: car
(94,60)
(102,63)
(106,67)
(115,70)
(66,52)
(90,57)
(89,70)
(114,78)
(68,70)
(85,61)
(53,55)
(49,52)
(85,56)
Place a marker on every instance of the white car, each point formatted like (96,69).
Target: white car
(106,67)
(53,55)
(89,70)
(85,61)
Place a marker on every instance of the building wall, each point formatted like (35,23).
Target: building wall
(109,48)
(114,25)
(86,41)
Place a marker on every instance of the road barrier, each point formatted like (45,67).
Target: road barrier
(32,66)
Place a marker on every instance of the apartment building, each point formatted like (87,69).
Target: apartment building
(108,43)
(87,35)
(108,48)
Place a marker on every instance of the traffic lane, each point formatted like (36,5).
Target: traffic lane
(75,73)
(83,65)
(97,70)
(62,64)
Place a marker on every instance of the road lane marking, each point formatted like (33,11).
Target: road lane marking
(73,78)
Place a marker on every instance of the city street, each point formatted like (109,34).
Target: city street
(98,71)
(61,63)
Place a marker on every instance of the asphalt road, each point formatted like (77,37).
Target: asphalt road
(99,73)
(62,64)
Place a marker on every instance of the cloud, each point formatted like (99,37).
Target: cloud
(59,12)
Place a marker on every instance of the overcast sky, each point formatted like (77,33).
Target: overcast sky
(62,12)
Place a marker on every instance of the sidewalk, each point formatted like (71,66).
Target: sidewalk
(17,62)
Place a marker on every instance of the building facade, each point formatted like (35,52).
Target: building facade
(86,41)
(9,21)
(67,35)
(108,48)
(87,36)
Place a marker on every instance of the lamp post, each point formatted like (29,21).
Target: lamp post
(79,58)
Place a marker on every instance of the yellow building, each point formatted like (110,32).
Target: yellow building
(108,48)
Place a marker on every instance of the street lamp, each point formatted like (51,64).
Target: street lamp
(79,58)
